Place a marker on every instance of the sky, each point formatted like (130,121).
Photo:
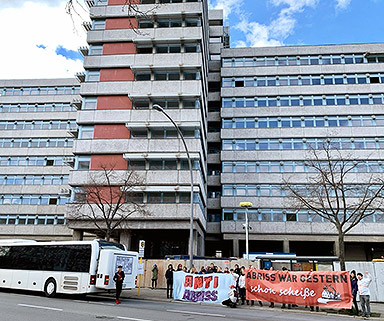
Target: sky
(40,40)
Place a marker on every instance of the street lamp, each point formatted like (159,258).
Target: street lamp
(246,205)
(190,251)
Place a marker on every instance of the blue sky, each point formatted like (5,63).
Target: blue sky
(303,22)
(45,44)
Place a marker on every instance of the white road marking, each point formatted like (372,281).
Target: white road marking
(199,313)
(39,307)
(133,319)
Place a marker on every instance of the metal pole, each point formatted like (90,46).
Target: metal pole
(246,234)
(190,251)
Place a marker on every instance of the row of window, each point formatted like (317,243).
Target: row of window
(301,60)
(91,103)
(307,121)
(303,80)
(311,100)
(31,108)
(302,143)
(34,180)
(35,142)
(33,199)
(105,2)
(37,124)
(32,219)
(372,166)
(94,75)
(278,190)
(32,161)
(164,133)
(96,50)
(284,215)
(39,91)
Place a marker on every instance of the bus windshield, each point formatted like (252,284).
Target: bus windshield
(111,245)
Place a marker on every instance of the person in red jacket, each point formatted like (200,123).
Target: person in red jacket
(119,279)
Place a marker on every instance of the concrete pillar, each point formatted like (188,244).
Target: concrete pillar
(77,235)
(236,248)
(201,249)
(336,248)
(126,238)
(195,242)
(286,246)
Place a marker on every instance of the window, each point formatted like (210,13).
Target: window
(192,47)
(86,132)
(89,103)
(143,76)
(144,24)
(83,163)
(98,24)
(136,165)
(92,75)
(95,50)
(191,75)
(192,22)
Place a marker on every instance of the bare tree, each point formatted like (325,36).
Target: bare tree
(336,193)
(80,9)
(108,199)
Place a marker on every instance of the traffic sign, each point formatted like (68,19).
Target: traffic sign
(141,248)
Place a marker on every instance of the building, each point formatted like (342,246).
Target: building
(133,64)
(38,118)
(276,103)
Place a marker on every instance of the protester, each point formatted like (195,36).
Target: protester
(119,279)
(237,269)
(283,306)
(212,268)
(193,270)
(155,273)
(202,270)
(231,301)
(242,286)
(179,267)
(169,278)
(226,269)
(354,291)
(185,269)
(363,287)
(219,269)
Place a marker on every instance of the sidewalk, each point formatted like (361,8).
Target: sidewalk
(160,295)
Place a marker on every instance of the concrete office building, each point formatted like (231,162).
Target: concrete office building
(276,102)
(133,64)
(36,121)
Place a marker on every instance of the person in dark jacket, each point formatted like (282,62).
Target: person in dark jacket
(119,279)
(354,290)
(169,278)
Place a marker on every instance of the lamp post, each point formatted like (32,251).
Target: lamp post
(190,251)
(246,205)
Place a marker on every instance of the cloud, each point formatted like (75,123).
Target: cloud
(275,33)
(228,6)
(69,54)
(30,38)
(342,4)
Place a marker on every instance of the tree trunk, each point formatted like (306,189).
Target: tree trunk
(341,253)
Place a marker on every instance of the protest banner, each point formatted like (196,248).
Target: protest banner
(320,288)
(208,288)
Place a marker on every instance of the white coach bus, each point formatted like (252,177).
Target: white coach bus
(77,267)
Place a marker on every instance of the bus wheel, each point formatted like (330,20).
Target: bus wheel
(50,288)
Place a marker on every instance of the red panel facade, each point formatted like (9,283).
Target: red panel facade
(121,23)
(114,102)
(116,74)
(119,48)
(108,161)
(115,131)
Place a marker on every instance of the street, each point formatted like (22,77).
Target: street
(17,306)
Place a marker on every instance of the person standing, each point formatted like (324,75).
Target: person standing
(354,291)
(242,286)
(119,279)
(363,287)
(169,278)
(155,274)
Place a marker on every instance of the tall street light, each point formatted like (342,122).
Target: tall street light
(190,251)
(246,205)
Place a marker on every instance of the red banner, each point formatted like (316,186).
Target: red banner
(320,288)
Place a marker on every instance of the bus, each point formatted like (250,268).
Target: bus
(68,267)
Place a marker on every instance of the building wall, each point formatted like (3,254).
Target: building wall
(346,80)
(37,117)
